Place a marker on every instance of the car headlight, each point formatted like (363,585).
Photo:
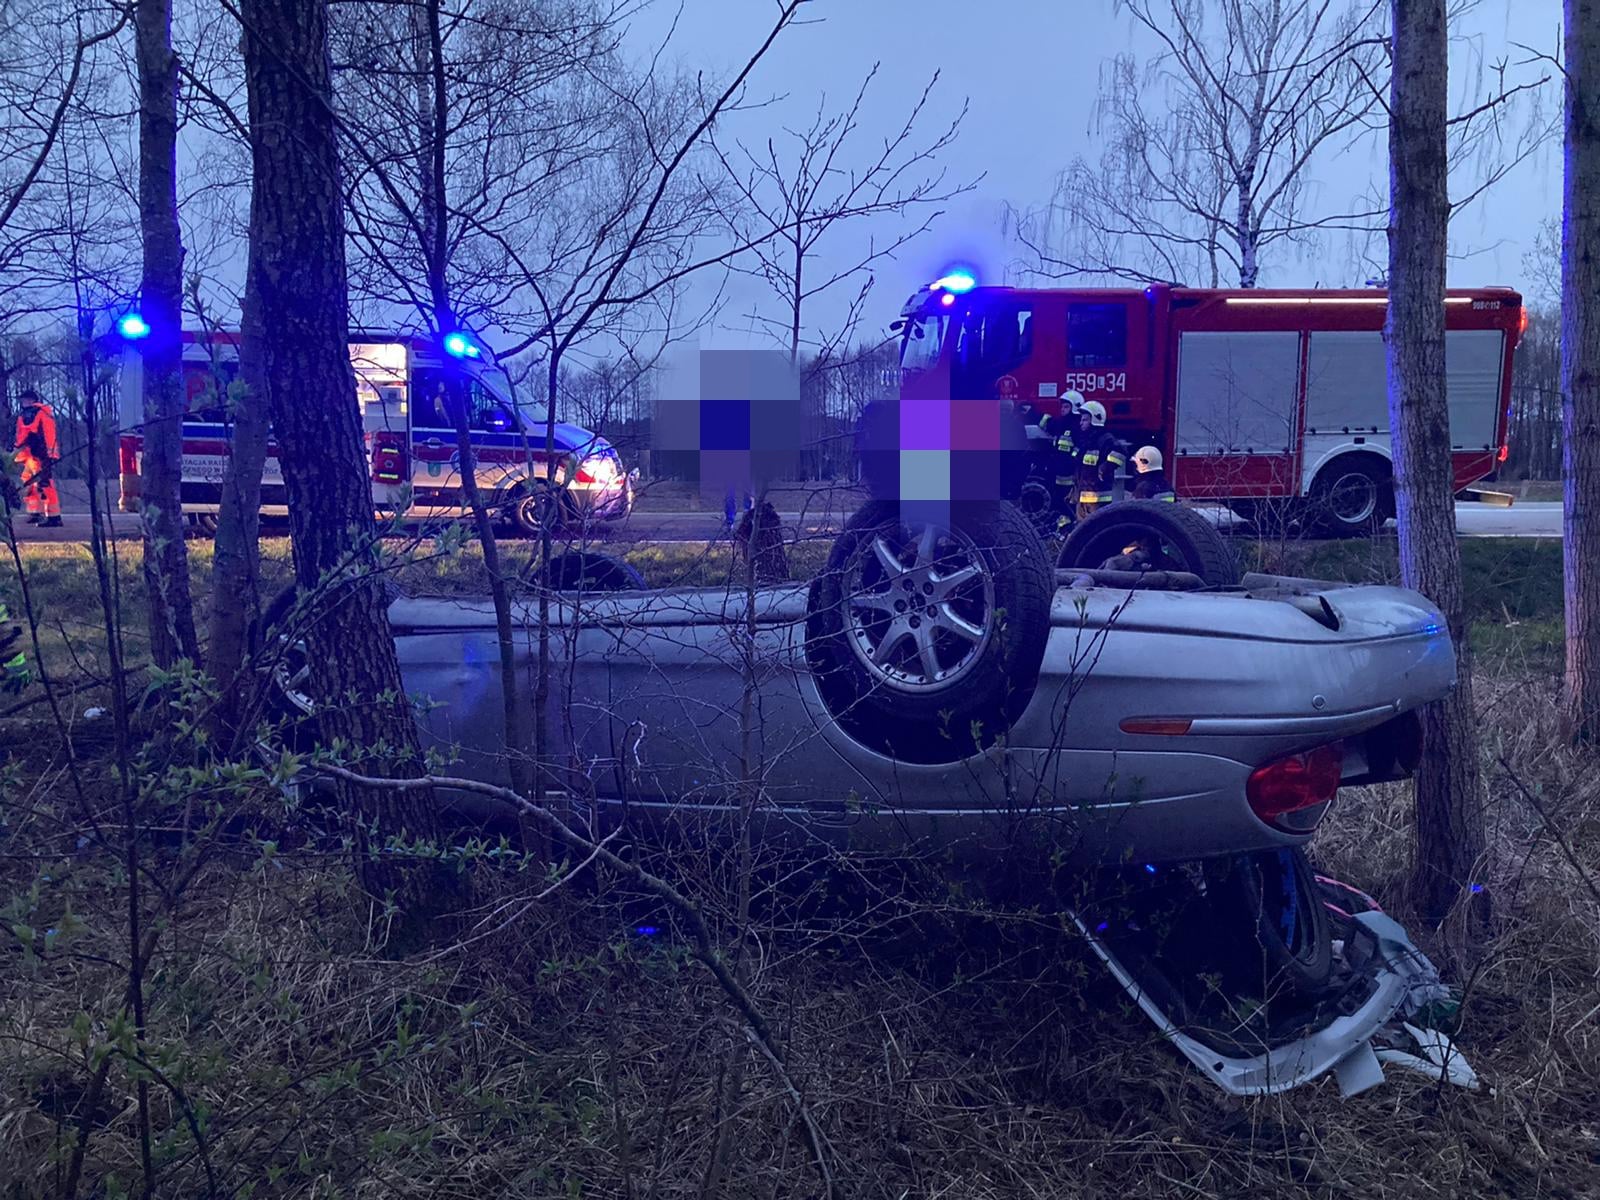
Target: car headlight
(599,468)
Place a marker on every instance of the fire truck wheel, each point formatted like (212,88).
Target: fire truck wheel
(925,636)
(1353,496)
(1175,538)
(586,571)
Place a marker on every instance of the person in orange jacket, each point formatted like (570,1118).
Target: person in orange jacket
(37,452)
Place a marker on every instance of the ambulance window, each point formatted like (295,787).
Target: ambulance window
(1097,335)
(493,418)
(427,401)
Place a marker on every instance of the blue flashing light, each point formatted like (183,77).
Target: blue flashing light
(1476,888)
(133,327)
(460,345)
(1151,867)
(958,281)
(646,930)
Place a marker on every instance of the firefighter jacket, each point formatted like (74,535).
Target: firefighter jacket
(1153,485)
(1066,448)
(1101,457)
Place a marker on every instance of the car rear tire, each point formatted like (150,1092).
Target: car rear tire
(526,511)
(1353,496)
(206,523)
(925,637)
(1287,940)
(586,571)
(1186,540)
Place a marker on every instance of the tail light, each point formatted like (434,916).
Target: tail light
(1505,452)
(1295,783)
(388,457)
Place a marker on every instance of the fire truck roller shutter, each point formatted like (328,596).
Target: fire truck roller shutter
(1237,392)
(1347,386)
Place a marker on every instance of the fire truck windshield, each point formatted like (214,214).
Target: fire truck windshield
(921,340)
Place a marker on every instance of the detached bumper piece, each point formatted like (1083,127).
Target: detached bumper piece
(1382,1004)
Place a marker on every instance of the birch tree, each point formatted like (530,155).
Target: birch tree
(1211,144)
(1449,793)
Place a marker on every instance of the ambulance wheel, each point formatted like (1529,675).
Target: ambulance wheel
(1353,496)
(1182,539)
(925,635)
(526,511)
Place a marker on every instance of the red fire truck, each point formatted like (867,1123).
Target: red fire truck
(1258,399)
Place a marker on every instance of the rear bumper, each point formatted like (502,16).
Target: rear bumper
(603,502)
(1398,981)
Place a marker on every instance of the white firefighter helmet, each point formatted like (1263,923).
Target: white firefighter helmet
(1147,459)
(1096,411)
(1072,401)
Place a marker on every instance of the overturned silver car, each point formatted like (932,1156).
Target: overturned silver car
(942,683)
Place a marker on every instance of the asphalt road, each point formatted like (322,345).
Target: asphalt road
(1523,520)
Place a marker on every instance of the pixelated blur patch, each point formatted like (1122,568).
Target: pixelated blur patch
(975,425)
(924,424)
(925,475)
(729,419)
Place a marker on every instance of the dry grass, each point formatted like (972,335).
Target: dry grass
(548,1051)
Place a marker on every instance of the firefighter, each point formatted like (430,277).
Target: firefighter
(1101,457)
(1152,482)
(37,453)
(1067,452)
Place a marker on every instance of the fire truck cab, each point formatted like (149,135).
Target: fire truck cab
(410,438)
(1255,398)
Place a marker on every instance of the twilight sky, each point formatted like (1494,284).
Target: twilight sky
(1029,69)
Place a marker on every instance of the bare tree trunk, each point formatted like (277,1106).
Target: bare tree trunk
(298,284)
(166,558)
(1580,369)
(236,566)
(435,219)
(1450,835)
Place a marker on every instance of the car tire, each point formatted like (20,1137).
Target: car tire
(1286,940)
(1353,496)
(524,509)
(1189,541)
(586,571)
(942,684)
(206,523)
(288,669)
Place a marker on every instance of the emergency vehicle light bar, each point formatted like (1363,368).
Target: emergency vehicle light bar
(133,327)
(955,281)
